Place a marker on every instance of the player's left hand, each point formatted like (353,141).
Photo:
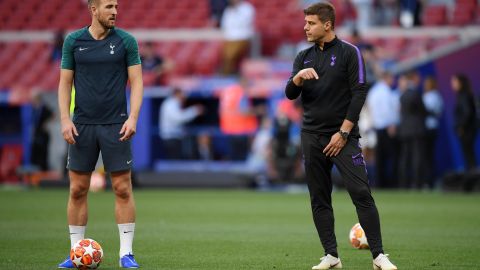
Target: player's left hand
(129,129)
(335,145)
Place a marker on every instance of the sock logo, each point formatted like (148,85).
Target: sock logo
(127,231)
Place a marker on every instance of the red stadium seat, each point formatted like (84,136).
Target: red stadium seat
(10,160)
(59,14)
(50,76)
(477,15)
(464,12)
(149,78)
(471,4)
(435,15)
(278,22)
(441,42)
(207,60)
(462,17)
(394,44)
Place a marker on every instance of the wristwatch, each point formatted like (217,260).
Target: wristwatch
(344,134)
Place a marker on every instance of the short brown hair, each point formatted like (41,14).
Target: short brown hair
(91,2)
(324,10)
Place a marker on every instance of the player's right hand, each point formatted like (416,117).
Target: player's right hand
(305,74)
(69,130)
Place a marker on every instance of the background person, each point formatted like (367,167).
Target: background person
(434,105)
(465,118)
(42,114)
(238,27)
(411,132)
(154,63)
(173,117)
(381,106)
(238,118)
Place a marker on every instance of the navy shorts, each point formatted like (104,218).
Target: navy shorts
(93,139)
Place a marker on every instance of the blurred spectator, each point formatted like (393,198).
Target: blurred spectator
(153,64)
(465,118)
(410,13)
(372,68)
(434,104)
(368,138)
(412,132)
(364,13)
(238,118)
(238,29)
(57,46)
(385,12)
(217,7)
(172,120)
(204,146)
(357,39)
(385,58)
(383,109)
(42,114)
(259,158)
(349,14)
(285,153)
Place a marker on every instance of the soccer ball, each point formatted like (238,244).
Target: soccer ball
(358,239)
(86,254)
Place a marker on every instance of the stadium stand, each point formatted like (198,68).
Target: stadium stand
(180,30)
(10,159)
(435,15)
(278,23)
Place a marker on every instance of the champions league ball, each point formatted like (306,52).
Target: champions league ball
(358,239)
(86,254)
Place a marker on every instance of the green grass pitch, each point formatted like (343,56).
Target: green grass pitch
(220,229)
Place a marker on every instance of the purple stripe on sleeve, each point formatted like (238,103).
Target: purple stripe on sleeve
(361,73)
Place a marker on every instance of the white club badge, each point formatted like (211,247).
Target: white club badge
(111,48)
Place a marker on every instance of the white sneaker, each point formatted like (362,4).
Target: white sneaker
(383,263)
(328,262)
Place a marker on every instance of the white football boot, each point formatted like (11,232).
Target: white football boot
(328,262)
(383,263)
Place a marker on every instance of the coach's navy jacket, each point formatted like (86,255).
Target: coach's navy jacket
(340,91)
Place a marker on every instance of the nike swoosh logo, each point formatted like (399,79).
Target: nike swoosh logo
(308,61)
(73,233)
(82,49)
(128,232)
(128,162)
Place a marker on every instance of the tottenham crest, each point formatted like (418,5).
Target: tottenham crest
(111,48)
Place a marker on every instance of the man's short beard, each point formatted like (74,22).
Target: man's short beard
(318,39)
(106,25)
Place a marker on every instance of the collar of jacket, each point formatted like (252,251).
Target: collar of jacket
(327,45)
